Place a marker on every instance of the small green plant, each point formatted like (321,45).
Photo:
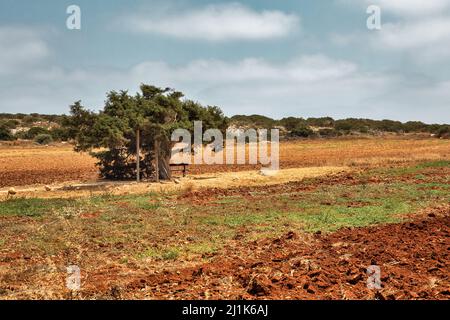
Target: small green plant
(170,254)
(43,138)
(161,254)
(24,207)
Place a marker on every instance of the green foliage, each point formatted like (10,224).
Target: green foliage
(32,118)
(415,126)
(170,253)
(154,112)
(34,132)
(22,207)
(292,123)
(329,127)
(254,121)
(10,124)
(60,134)
(352,125)
(302,131)
(43,138)
(443,132)
(389,126)
(328,132)
(5,134)
(321,122)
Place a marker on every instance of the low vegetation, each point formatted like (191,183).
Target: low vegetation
(21,126)
(167,226)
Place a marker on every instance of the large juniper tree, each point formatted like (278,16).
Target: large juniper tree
(110,134)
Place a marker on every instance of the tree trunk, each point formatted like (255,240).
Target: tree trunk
(138,156)
(162,161)
(164,168)
(157,153)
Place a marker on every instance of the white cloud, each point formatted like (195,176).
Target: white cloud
(218,23)
(20,48)
(424,40)
(403,8)
(412,7)
(423,33)
(418,29)
(303,69)
(312,85)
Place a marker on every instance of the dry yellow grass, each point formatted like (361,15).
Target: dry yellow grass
(21,166)
(188,184)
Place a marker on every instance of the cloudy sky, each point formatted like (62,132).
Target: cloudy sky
(277,58)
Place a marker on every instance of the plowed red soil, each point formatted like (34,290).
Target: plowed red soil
(413,258)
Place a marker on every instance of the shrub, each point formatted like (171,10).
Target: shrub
(302,131)
(43,138)
(292,123)
(320,122)
(10,124)
(30,119)
(253,121)
(5,134)
(328,132)
(34,132)
(414,126)
(443,132)
(60,134)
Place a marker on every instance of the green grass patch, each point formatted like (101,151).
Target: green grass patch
(35,207)
(434,164)
(149,201)
(204,247)
(31,207)
(170,253)
(416,169)
(240,219)
(326,218)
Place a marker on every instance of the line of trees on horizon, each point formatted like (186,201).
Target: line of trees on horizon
(46,128)
(329,127)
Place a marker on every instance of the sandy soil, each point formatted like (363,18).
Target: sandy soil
(198,182)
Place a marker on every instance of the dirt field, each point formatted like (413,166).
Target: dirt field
(413,258)
(311,233)
(20,166)
(44,165)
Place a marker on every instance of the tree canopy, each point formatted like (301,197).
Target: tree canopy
(153,113)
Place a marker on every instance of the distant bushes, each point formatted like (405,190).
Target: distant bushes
(15,126)
(320,122)
(443,132)
(292,123)
(60,134)
(10,124)
(56,134)
(34,132)
(32,118)
(302,131)
(328,127)
(255,121)
(328,133)
(43,138)
(5,134)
